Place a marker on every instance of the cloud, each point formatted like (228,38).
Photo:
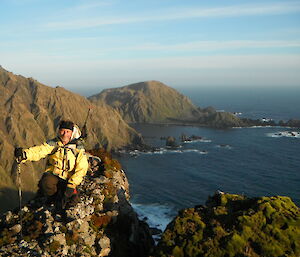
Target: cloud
(180,13)
(216,45)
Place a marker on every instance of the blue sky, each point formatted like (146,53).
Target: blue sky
(92,44)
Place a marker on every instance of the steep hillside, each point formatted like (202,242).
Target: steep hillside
(30,113)
(150,101)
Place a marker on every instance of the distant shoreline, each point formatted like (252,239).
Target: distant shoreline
(207,126)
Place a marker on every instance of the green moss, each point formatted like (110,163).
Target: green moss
(233,225)
(219,232)
(236,244)
(220,210)
(268,210)
(271,250)
(177,252)
(247,232)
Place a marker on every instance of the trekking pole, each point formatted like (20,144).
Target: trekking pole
(87,116)
(20,193)
(84,129)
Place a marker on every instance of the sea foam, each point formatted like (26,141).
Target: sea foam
(290,134)
(157,216)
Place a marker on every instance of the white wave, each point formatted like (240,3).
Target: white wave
(174,151)
(157,216)
(255,127)
(224,146)
(291,134)
(197,140)
(195,151)
(268,126)
(167,151)
(159,151)
(272,135)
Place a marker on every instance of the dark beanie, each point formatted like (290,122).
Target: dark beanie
(66,124)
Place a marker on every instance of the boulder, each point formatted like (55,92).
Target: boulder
(171,142)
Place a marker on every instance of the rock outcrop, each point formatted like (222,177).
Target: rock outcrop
(295,123)
(103,223)
(171,142)
(30,113)
(234,225)
(221,120)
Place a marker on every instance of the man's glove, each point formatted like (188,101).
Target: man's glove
(70,196)
(20,154)
(69,192)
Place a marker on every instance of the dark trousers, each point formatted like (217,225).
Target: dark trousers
(54,188)
(50,185)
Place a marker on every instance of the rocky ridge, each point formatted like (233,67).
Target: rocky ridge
(103,223)
(234,225)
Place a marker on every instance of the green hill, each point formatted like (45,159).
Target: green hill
(234,225)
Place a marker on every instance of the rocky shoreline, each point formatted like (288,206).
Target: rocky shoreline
(246,122)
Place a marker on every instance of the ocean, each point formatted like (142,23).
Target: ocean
(258,161)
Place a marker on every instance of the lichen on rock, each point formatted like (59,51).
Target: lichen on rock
(234,225)
(102,223)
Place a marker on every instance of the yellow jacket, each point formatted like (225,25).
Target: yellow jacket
(68,162)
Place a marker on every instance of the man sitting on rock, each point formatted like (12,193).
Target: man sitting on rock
(66,166)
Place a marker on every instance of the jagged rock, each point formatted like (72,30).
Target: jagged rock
(102,223)
(171,142)
(104,244)
(8,216)
(16,229)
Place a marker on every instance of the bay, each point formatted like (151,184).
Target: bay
(250,161)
